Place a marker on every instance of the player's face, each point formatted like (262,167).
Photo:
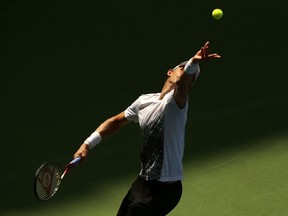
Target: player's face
(175,74)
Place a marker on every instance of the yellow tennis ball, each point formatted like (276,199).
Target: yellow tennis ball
(217,13)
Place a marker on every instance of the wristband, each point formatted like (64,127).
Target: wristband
(191,68)
(93,140)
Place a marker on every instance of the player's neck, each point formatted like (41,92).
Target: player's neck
(168,86)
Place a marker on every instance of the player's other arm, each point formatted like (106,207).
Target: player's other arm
(107,128)
(185,81)
(111,125)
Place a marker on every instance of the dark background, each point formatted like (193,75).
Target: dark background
(68,65)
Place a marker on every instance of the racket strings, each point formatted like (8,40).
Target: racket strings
(47,181)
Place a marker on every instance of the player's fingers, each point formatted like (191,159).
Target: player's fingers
(82,156)
(202,52)
(83,159)
(214,55)
(76,155)
(205,54)
(207,43)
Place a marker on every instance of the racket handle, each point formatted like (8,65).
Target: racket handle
(75,161)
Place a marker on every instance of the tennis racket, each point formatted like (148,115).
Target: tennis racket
(48,178)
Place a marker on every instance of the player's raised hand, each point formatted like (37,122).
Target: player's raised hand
(204,55)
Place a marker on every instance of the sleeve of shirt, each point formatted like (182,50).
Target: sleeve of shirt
(131,113)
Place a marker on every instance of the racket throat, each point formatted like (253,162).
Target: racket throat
(64,173)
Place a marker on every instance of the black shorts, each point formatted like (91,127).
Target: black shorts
(150,198)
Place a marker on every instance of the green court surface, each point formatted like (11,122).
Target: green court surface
(68,65)
(251,181)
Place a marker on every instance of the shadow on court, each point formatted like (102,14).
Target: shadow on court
(66,69)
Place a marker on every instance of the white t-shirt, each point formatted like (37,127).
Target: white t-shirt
(162,125)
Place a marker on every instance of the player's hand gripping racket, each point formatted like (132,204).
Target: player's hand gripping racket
(48,178)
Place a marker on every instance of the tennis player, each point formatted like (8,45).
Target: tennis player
(162,117)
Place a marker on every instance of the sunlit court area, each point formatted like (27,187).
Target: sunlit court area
(66,66)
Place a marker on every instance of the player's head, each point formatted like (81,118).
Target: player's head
(176,72)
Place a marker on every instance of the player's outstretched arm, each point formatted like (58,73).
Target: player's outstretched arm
(105,129)
(189,73)
(112,124)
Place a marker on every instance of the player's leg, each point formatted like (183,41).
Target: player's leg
(123,209)
(166,196)
(136,200)
(154,198)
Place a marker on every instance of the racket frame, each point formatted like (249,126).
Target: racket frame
(57,168)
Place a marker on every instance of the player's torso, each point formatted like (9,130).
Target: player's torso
(157,119)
